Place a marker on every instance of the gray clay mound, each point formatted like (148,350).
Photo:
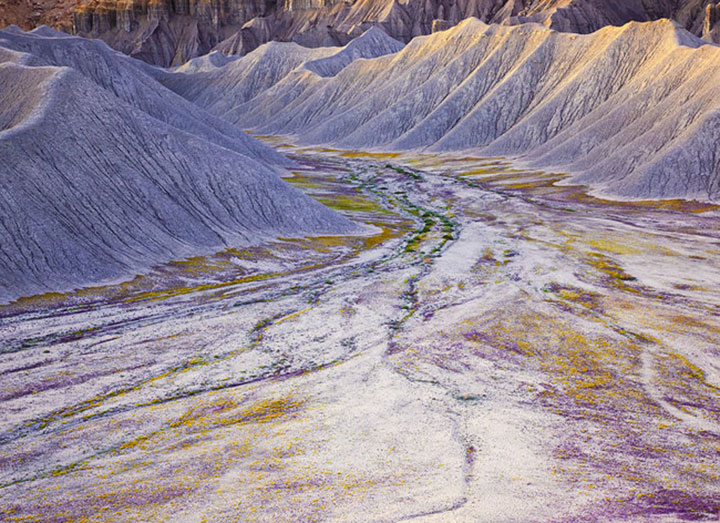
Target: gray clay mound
(104,172)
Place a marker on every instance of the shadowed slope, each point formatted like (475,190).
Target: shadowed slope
(99,184)
(131,81)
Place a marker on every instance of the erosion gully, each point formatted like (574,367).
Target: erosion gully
(494,346)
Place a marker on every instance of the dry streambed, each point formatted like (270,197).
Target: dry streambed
(496,347)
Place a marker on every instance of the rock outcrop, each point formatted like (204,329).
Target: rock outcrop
(170,32)
(104,172)
(29,14)
(632,111)
(165,32)
(711,29)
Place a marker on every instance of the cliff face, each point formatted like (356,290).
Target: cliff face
(32,13)
(103,15)
(165,32)
(586,16)
(170,32)
(330,22)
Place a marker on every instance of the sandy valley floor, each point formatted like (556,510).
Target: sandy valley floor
(495,348)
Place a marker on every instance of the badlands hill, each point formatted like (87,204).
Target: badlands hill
(104,172)
(222,88)
(169,32)
(632,111)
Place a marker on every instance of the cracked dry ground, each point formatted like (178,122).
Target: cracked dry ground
(495,348)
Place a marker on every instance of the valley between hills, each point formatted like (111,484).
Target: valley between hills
(491,346)
(470,277)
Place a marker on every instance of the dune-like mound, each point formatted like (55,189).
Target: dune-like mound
(630,110)
(205,63)
(130,81)
(104,172)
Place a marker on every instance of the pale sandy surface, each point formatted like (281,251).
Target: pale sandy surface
(499,350)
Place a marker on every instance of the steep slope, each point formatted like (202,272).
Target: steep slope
(223,89)
(130,81)
(373,43)
(586,16)
(166,32)
(29,14)
(103,172)
(630,110)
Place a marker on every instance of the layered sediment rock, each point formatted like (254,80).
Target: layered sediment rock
(170,32)
(28,14)
(165,32)
(314,23)
(330,23)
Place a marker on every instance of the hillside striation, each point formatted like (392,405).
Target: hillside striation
(104,172)
(632,110)
(170,32)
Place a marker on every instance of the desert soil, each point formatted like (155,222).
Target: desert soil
(496,347)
